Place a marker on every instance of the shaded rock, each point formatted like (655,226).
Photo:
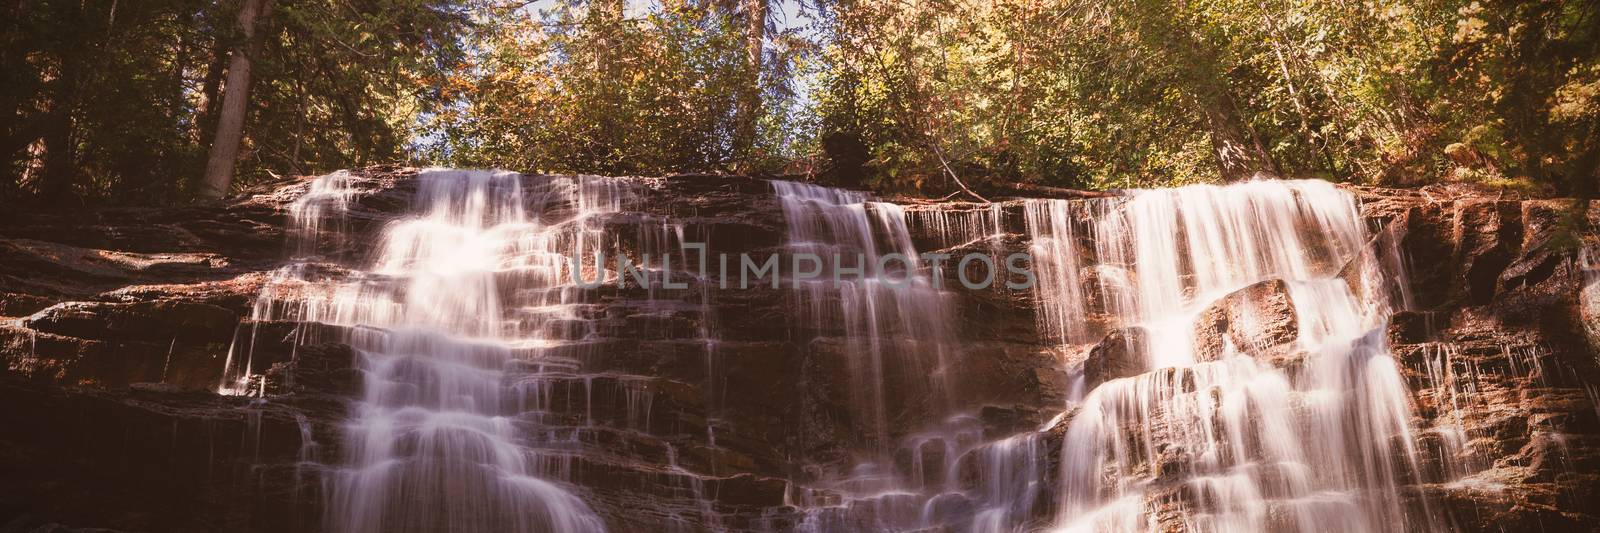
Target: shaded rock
(141,321)
(155,459)
(1411,327)
(1002,420)
(70,360)
(1122,353)
(1488,234)
(324,368)
(754,491)
(21,304)
(1488,503)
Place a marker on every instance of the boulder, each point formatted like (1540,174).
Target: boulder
(1122,353)
(1257,320)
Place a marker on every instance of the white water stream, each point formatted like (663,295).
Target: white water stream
(455,312)
(1313,437)
(440,439)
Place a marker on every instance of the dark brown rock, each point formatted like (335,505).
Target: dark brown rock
(21,304)
(1412,327)
(139,321)
(153,459)
(1488,234)
(1122,353)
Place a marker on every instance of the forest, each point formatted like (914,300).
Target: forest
(173,101)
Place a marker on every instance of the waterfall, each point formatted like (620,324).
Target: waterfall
(440,439)
(897,328)
(1312,434)
(892,332)
(896,315)
(1058,291)
(1224,347)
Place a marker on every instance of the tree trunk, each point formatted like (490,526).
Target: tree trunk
(235,102)
(210,92)
(747,110)
(607,20)
(57,168)
(1238,151)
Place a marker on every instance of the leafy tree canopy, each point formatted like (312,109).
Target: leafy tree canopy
(113,100)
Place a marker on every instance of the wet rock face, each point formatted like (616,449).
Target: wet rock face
(1256,320)
(158,457)
(1487,236)
(1589,300)
(1122,353)
(114,328)
(146,321)
(118,324)
(1494,348)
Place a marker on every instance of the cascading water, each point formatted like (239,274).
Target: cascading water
(323,203)
(884,322)
(1314,435)
(444,438)
(883,315)
(896,326)
(478,405)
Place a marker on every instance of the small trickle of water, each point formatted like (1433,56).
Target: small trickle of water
(893,318)
(1589,297)
(1059,290)
(895,327)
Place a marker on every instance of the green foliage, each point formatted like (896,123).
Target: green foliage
(1140,93)
(108,101)
(581,88)
(345,82)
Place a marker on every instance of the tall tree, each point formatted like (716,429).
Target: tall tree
(57,176)
(235,102)
(747,108)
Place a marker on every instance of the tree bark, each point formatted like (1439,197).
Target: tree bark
(235,103)
(747,110)
(58,169)
(1238,151)
(211,91)
(607,21)
(1047,191)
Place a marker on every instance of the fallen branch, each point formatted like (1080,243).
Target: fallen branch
(1056,192)
(924,201)
(952,174)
